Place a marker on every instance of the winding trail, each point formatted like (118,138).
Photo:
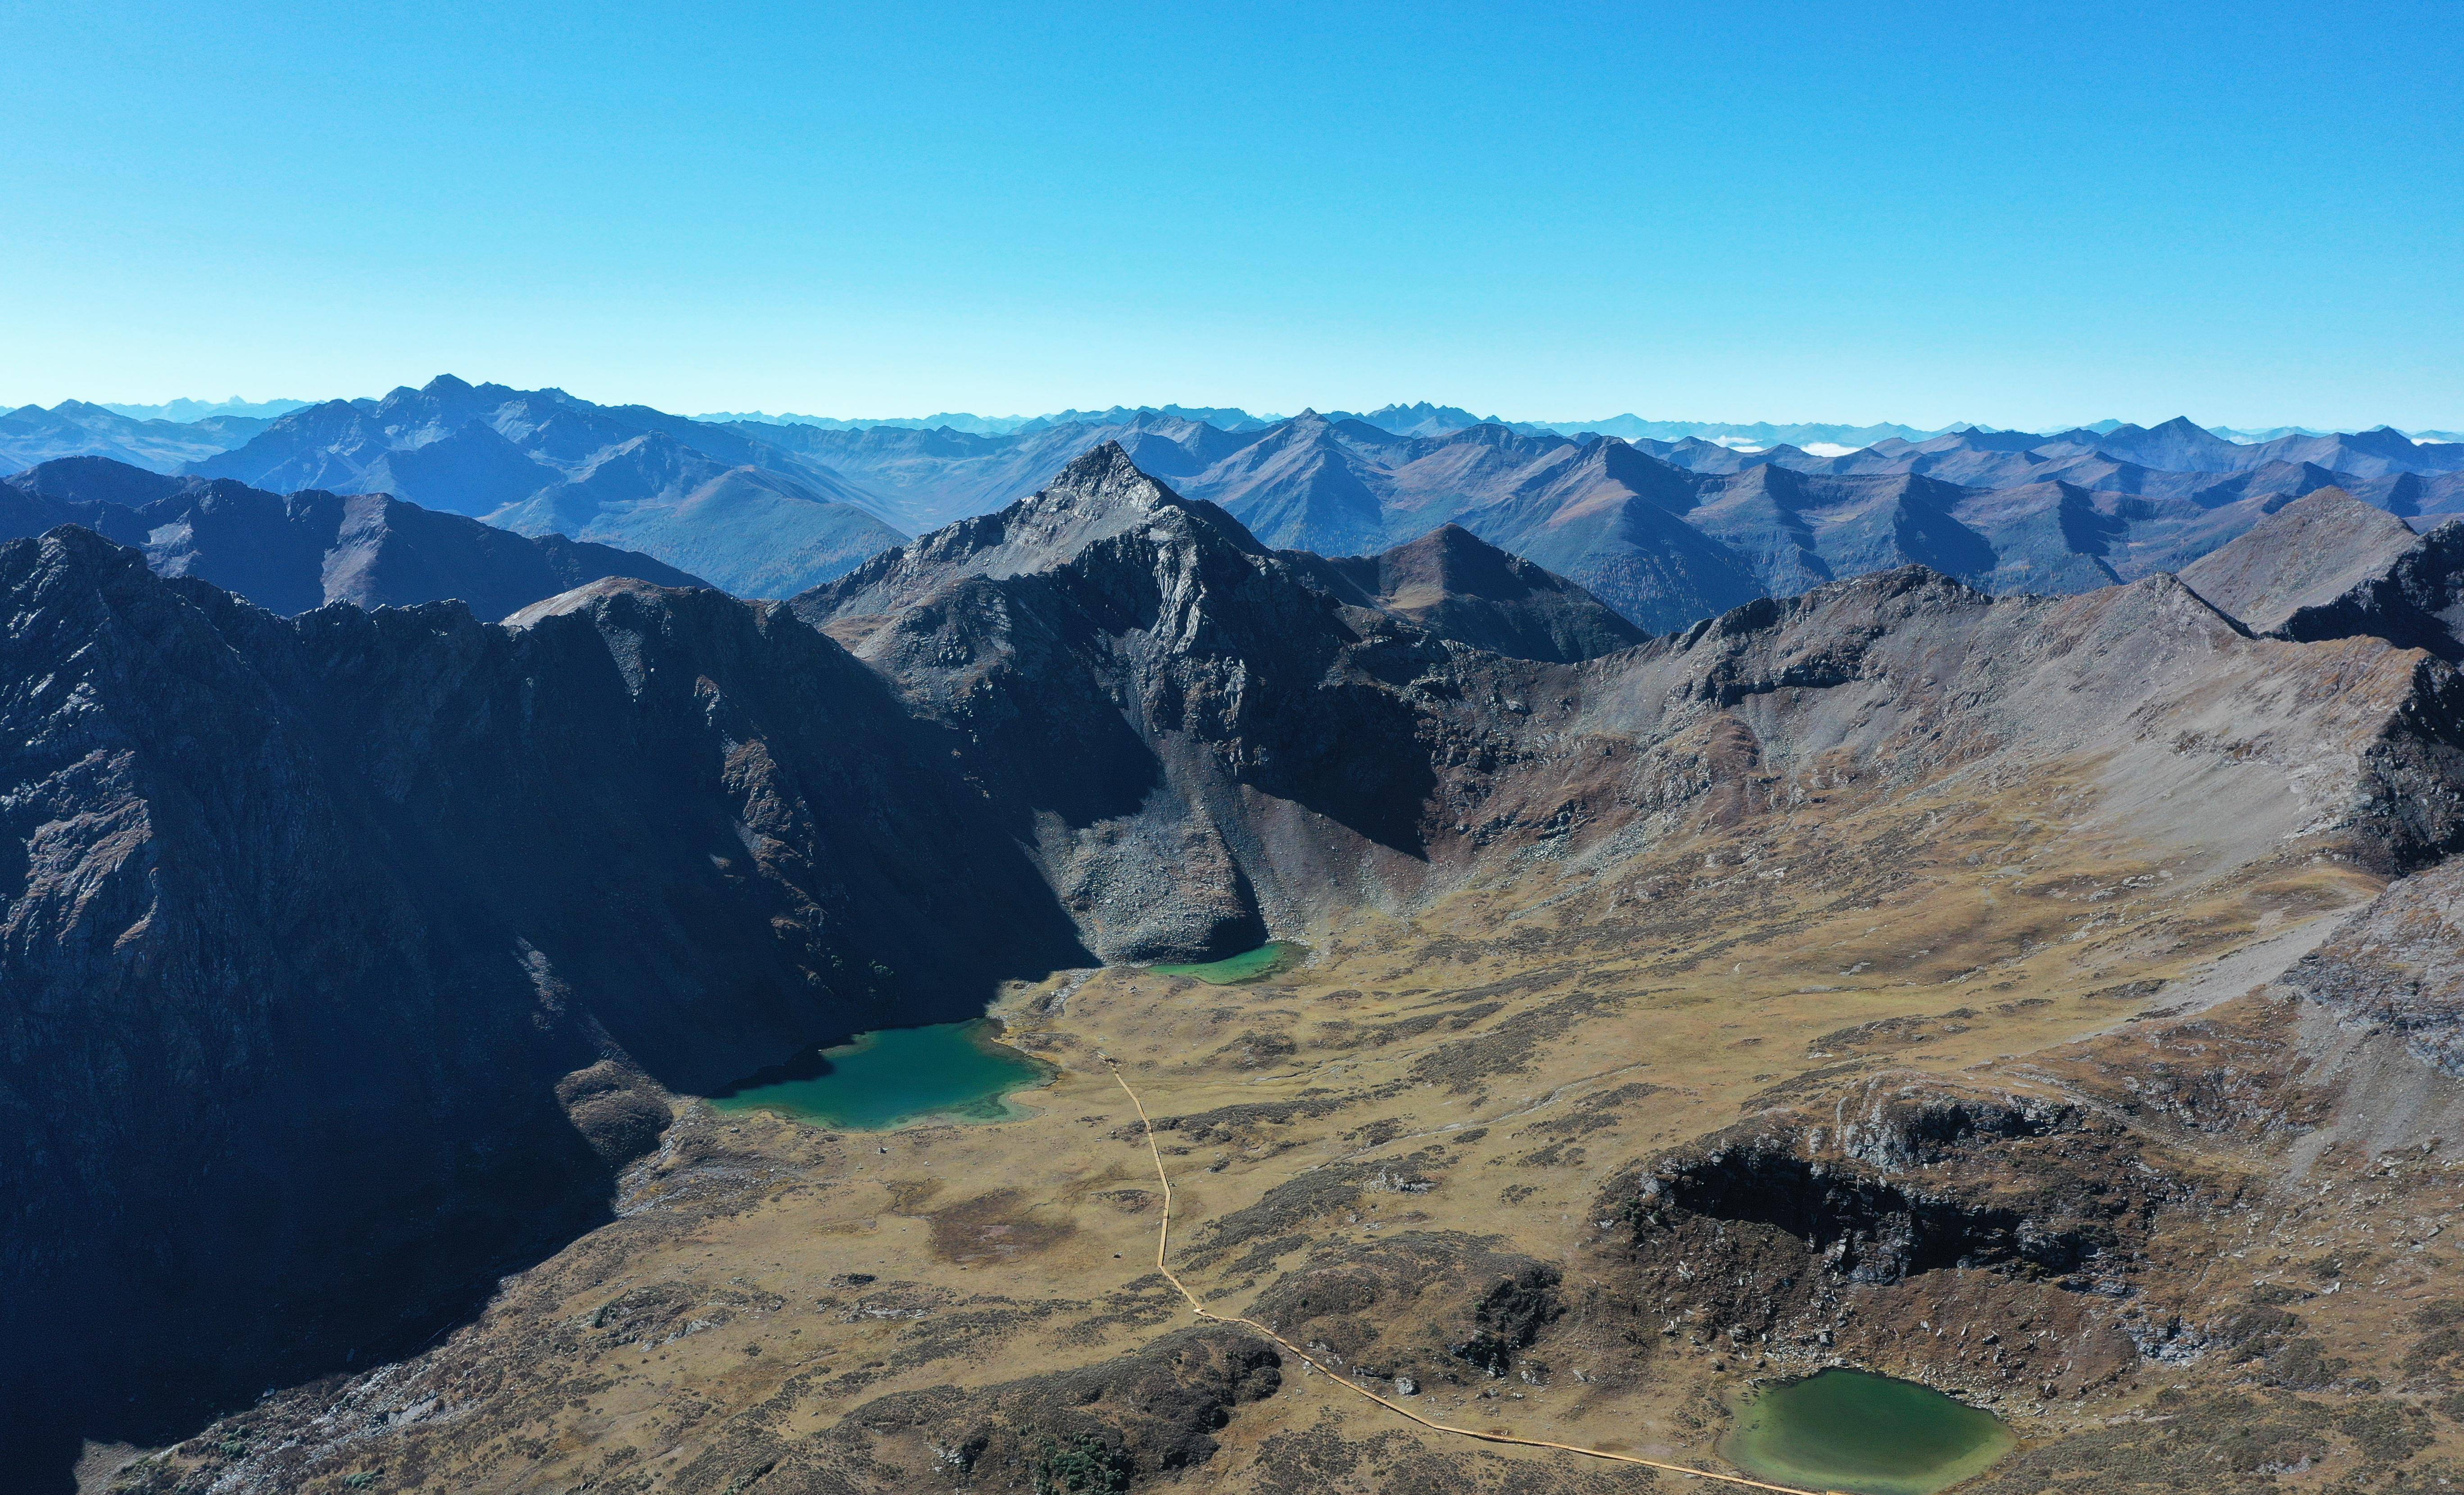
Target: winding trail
(1163,1246)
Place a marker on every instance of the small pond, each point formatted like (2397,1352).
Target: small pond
(1863,1433)
(951,1072)
(1250,965)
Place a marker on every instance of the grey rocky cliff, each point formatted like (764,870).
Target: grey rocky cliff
(2399,965)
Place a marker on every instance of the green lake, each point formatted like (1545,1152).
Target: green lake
(951,1072)
(1250,965)
(1864,1434)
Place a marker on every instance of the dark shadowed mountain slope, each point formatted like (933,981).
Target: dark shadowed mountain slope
(346,956)
(1181,710)
(2331,567)
(2045,537)
(291,553)
(1460,587)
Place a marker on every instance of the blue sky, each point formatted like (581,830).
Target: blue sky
(2022,214)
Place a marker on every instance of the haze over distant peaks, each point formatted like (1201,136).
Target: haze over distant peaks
(750,516)
(293,553)
(1665,521)
(185,410)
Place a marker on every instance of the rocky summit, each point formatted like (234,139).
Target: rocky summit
(2049,998)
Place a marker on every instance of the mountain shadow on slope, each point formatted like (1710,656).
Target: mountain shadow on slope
(2330,566)
(352,953)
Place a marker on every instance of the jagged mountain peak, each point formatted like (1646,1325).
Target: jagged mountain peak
(1101,493)
(76,549)
(1102,479)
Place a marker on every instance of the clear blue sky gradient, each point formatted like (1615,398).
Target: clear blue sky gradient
(2022,214)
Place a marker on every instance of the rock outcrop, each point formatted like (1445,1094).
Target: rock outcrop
(2399,965)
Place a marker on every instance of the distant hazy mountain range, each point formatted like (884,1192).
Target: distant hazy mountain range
(1426,419)
(293,553)
(754,518)
(1669,522)
(203,409)
(1670,531)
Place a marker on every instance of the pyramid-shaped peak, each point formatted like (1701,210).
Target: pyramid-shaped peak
(1101,494)
(1104,477)
(1452,558)
(1452,541)
(2306,554)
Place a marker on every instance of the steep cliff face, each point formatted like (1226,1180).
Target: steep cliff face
(1183,716)
(346,956)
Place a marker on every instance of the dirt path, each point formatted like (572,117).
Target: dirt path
(1163,1247)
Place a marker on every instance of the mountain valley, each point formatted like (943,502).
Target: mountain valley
(2043,996)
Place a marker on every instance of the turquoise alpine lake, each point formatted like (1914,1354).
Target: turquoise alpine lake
(1863,1433)
(951,1072)
(1249,965)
